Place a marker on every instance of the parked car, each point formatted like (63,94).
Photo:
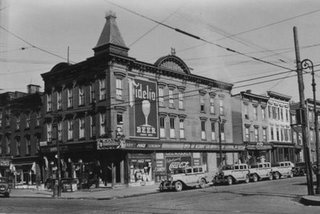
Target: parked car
(186,177)
(261,171)
(282,169)
(5,188)
(233,173)
(300,169)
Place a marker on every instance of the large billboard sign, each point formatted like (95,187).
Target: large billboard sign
(143,108)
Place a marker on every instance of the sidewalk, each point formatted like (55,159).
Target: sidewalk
(105,193)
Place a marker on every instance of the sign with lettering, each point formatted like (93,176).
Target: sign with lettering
(143,108)
(106,143)
(177,162)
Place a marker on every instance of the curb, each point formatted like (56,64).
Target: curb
(310,200)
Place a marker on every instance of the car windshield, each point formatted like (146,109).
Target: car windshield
(178,171)
(227,167)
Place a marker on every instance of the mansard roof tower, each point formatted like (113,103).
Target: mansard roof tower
(110,40)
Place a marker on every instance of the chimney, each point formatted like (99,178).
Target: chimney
(32,89)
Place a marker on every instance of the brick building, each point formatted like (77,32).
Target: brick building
(20,134)
(126,121)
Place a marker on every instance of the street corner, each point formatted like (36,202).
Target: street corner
(310,200)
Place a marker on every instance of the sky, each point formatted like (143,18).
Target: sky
(35,35)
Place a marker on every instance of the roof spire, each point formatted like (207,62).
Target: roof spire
(110,40)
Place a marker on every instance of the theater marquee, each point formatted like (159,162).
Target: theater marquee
(143,108)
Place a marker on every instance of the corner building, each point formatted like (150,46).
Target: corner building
(131,121)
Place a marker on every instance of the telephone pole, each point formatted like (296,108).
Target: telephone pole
(304,115)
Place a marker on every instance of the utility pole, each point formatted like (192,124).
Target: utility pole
(304,115)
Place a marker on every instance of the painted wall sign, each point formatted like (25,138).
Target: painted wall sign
(143,108)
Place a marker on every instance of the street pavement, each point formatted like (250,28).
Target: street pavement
(107,193)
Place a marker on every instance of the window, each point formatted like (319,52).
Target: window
(102,88)
(203,130)
(91,94)
(274,112)
(263,113)
(172,130)
(59,100)
(18,146)
(70,97)
(281,113)
(81,128)
(0,144)
(181,100)
(181,126)
(0,120)
(18,122)
(8,145)
(102,124)
(271,133)
(70,129)
(28,119)
(256,134)
(202,108)
(247,134)
(28,146)
(287,115)
(246,112)
(255,112)
(310,115)
(213,131)
(222,132)
(270,112)
(278,134)
(49,103)
(119,89)
(59,127)
(311,135)
(7,121)
(49,132)
(119,125)
(171,102)
(264,134)
(81,96)
(92,126)
(295,137)
(38,119)
(212,110)
(162,129)
(161,99)
(221,107)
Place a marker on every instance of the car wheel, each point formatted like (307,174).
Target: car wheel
(276,175)
(202,183)
(161,187)
(178,186)
(255,178)
(270,176)
(229,180)
(6,195)
(247,179)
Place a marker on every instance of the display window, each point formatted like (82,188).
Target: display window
(140,170)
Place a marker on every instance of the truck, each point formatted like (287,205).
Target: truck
(186,177)
(233,174)
(261,171)
(282,169)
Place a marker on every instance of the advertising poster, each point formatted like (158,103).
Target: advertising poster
(143,108)
(177,163)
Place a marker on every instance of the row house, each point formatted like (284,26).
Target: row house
(280,128)
(20,135)
(125,121)
(251,126)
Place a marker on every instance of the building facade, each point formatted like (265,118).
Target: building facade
(20,134)
(120,120)
(250,126)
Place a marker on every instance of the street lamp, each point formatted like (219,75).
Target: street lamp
(307,64)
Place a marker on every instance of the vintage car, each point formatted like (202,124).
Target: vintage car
(299,169)
(233,173)
(4,187)
(186,177)
(261,171)
(282,169)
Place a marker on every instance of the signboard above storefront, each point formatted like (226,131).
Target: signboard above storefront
(106,143)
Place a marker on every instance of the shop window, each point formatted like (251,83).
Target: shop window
(162,128)
(213,131)
(140,170)
(59,100)
(70,97)
(161,98)
(172,128)
(181,98)
(102,124)
(49,132)
(181,126)
(102,89)
(49,103)
(171,101)
(119,88)
(203,130)
(212,110)
(81,96)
